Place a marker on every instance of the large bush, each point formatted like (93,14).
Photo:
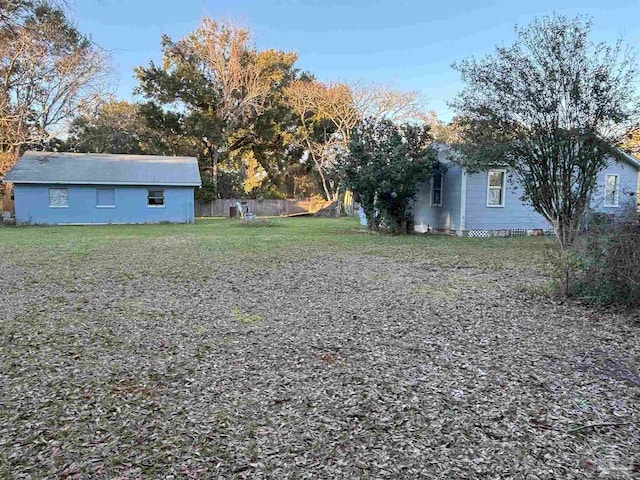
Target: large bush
(610,265)
(384,165)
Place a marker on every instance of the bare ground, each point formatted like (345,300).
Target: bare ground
(169,362)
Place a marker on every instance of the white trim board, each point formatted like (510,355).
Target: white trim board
(463,203)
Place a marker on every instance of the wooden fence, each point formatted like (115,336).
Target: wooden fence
(261,208)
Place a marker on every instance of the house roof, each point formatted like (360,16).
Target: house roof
(104,169)
(633,160)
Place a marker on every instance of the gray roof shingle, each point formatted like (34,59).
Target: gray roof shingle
(100,168)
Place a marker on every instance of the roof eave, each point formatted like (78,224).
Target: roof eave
(630,158)
(71,182)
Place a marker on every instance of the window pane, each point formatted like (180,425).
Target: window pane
(436,194)
(495,179)
(611,190)
(105,196)
(58,197)
(495,196)
(155,197)
(437,197)
(610,198)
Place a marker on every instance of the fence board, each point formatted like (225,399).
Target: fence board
(261,208)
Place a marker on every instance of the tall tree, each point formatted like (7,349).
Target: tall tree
(551,107)
(328,114)
(114,126)
(317,133)
(226,91)
(378,101)
(48,72)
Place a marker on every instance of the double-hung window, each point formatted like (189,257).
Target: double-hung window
(436,190)
(611,190)
(59,197)
(155,198)
(496,188)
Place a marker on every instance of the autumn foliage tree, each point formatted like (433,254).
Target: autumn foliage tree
(630,141)
(325,117)
(49,71)
(328,113)
(224,94)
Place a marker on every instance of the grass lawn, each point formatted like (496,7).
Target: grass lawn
(303,348)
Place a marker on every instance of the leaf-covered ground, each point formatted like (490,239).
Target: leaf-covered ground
(303,349)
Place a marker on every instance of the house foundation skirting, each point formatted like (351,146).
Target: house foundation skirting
(514,232)
(485,233)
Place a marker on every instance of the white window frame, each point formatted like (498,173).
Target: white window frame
(433,183)
(616,200)
(503,187)
(164,198)
(58,206)
(114,198)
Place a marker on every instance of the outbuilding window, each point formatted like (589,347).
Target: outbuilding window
(155,198)
(611,190)
(436,190)
(105,197)
(59,197)
(495,188)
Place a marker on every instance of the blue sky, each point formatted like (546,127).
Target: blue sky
(407,43)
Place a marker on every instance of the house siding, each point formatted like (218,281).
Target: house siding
(627,187)
(513,215)
(447,216)
(32,205)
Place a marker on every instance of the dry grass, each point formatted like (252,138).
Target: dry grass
(303,351)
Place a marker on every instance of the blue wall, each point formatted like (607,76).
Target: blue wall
(447,216)
(628,184)
(513,215)
(32,205)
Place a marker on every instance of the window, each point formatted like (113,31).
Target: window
(155,198)
(495,188)
(436,190)
(611,191)
(59,197)
(105,197)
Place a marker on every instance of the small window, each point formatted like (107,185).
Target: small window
(436,190)
(495,188)
(105,197)
(611,191)
(59,197)
(155,198)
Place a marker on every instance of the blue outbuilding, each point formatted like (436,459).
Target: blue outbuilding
(87,188)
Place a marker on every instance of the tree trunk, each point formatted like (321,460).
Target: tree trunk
(215,158)
(566,232)
(403,226)
(372,222)
(7,204)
